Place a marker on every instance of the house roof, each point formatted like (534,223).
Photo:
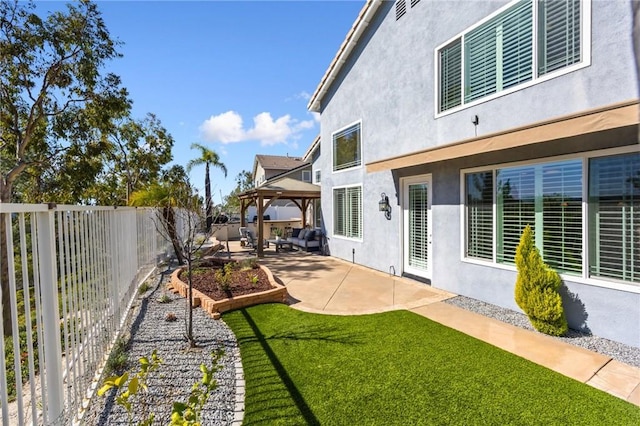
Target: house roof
(353,36)
(288,172)
(312,148)
(278,162)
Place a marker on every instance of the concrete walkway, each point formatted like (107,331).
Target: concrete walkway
(331,286)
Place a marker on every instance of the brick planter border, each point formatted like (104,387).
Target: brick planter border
(278,294)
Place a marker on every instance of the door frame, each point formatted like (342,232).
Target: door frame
(405,182)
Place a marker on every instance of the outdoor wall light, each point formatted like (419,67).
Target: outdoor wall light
(383,206)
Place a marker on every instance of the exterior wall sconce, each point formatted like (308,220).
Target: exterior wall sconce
(383,206)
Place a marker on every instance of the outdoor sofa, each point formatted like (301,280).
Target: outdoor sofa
(306,239)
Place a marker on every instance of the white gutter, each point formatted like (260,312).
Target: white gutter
(361,23)
(311,148)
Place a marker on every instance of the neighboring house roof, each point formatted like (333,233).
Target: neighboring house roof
(278,162)
(288,172)
(312,148)
(366,15)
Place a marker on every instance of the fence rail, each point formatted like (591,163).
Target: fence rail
(68,276)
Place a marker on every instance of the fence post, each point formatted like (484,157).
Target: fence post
(51,320)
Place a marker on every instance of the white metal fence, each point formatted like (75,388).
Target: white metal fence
(72,274)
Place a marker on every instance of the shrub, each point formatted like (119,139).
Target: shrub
(164,298)
(144,287)
(247,264)
(537,289)
(118,358)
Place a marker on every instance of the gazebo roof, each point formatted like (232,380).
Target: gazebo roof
(283,188)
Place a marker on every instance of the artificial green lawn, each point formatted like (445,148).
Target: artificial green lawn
(399,368)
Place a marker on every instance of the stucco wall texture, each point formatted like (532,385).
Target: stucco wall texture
(387,85)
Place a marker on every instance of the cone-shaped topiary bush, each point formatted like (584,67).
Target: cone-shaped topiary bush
(537,289)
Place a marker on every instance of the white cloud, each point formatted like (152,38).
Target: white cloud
(268,131)
(316,116)
(228,128)
(225,128)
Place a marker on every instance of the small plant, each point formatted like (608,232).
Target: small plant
(188,413)
(254,279)
(537,288)
(171,317)
(223,279)
(247,264)
(118,358)
(144,287)
(130,387)
(164,298)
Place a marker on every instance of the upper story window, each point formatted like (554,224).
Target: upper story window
(347,149)
(317,177)
(523,43)
(306,175)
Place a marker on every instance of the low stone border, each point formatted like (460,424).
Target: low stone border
(278,294)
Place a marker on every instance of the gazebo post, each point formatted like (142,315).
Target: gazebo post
(260,251)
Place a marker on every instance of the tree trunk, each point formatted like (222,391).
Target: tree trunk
(170,221)
(4,277)
(5,197)
(207,196)
(190,339)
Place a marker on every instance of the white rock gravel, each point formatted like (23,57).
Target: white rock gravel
(180,369)
(618,351)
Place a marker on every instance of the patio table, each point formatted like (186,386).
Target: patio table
(280,244)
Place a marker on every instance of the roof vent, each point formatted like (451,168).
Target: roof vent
(401,8)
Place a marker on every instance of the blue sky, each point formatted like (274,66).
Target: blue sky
(235,75)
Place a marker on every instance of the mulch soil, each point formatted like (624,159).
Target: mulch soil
(241,281)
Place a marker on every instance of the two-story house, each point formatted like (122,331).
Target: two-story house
(448,126)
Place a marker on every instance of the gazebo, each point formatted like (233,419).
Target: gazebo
(299,192)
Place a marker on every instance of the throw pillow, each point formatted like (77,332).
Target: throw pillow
(295,232)
(310,236)
(302,233)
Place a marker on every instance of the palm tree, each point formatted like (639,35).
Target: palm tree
(160,196)
(207,157)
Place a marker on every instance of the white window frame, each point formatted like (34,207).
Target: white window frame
(342,237)
(585,47)
(342,129)
(317,174)
(585,157)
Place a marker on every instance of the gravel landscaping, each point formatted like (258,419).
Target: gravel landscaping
(618,351)
(180,369)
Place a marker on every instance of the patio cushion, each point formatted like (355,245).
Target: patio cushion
(311,235)
(295,232)
(302,233)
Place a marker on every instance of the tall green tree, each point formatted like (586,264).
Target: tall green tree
(133,159)
(56,100)
(207,157)
(244,181)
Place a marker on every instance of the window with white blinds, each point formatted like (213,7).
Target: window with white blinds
(347,148)
(347,212)
(418,226)
(479,209)
(614,217)
(515,209)
(499,54)
(450,76)
(559,34)
(549,197)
